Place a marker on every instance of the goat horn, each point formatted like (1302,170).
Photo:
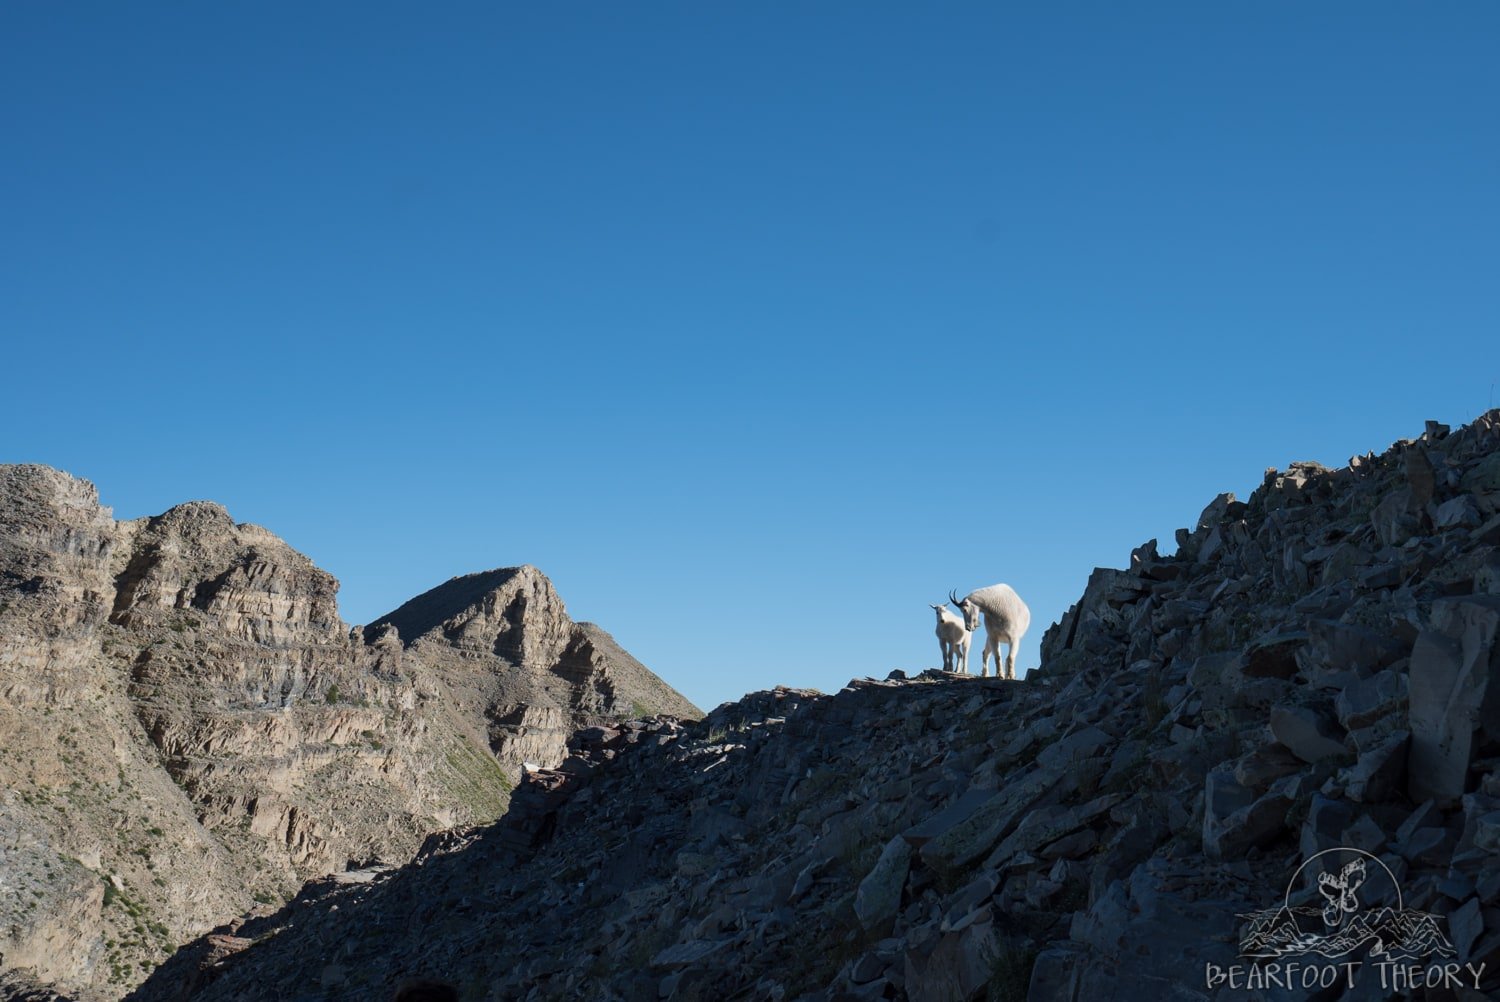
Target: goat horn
(952,598)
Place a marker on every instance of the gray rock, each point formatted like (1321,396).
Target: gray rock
(1274,656)
(683,954)
(1073,748)
(1222,796)
(1465,924)
(1048,823)
(866,969)
(1221,509)
(879,894)
(1324,826)
(1364,834)
(1392,518)
(1306,734)
(1054,975)
(1421,479)
(1453,692)
(1458,513)
(980,831)
(1366,700)
(1256,825)
(1384,575)
(1486,835)
(1483,475)
(1488,533)
(1333,646)
(956,967)
(1380,772)
(955,813)
(1257,769)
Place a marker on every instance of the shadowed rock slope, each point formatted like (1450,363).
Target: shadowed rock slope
(187,728)
(1313,667)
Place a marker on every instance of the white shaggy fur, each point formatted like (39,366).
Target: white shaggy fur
(953,638)
(1005,621)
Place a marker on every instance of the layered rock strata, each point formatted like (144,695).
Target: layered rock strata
(188,729)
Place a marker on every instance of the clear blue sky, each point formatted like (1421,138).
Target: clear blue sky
(756,326)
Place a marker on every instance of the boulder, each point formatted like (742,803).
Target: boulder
(1323,828)
(1483,475)
(988,824)
(1334,646)
(943,821)
(1453,692)
(1073,748)
(1258,824)
(1380,772)
(1305,733)
(1392,519)
(1274,656)
(1366,700)
(879,894)
(1458,513)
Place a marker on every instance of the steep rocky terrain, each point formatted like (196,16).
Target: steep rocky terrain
(1314,667)
(187,728)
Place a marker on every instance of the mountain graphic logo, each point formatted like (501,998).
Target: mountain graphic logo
(1348,903)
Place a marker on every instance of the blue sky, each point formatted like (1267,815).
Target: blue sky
(757,327)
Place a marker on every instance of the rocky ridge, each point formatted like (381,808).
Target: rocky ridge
(1313,667)
(189,728)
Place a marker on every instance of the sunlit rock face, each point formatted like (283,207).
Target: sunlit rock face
(188,730)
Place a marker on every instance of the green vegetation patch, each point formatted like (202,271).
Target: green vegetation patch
(475,780)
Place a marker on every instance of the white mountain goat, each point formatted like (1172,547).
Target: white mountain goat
(1005,620)
(953,637)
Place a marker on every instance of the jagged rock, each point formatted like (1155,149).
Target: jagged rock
(1483,476)
(1393,520)
(1465,924)
(1324,825)
(1364,701)
(1072,749)
(1334,647)
(1047,824)
(1261,766)
(1245,826)
(957,966)
(1457,513)
(973,837)
(1305,733)
(1453,692)
(1274,656)
(1421,479)
(1379,773)
(940,823)
(879,894)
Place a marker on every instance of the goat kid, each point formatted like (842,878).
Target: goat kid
(953,638)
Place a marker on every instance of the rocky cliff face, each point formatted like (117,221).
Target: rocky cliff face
(505,650)
(188,728)
(1313,668)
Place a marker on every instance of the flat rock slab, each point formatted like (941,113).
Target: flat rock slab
(925,831)
(879,894)
(1304,733)
(683,954)
(973,837)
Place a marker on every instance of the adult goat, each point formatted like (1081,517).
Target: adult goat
(1005,621)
